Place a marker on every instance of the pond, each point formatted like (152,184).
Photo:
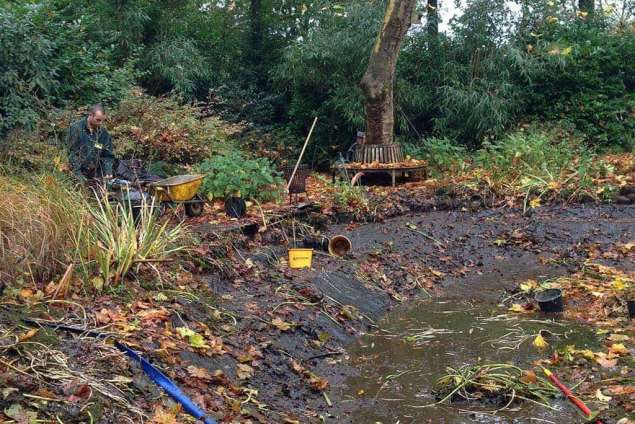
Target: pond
(400,363)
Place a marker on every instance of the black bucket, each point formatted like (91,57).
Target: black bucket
(550,300)
(630,304)
(316,243)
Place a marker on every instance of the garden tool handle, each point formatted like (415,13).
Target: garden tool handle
(569,394)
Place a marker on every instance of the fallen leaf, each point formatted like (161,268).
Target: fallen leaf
(162,416)
(606,363)
(529,377)
(98,283)
(28,335)
(618,349)
(520,309)
(195,339)
(540,342)
(618,337)
(26,293)
(528,286)
(621,390)
(280,324)
(198,372)
(244,371)
(318,383)
(21,415)
(601,397)
(619,284)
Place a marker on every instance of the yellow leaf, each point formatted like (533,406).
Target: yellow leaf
(528,286)
(587,353)
(280,324)
(28,335)
(98,283)
(518,308)
(195,339)
(618,349)
(619,283)
(534,203)
(566,51)
(26,293)
(540,342)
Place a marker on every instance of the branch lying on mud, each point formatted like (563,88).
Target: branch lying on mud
(413,228)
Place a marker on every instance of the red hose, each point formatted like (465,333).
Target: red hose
(569,394)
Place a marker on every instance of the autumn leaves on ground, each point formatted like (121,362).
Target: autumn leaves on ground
(250,340)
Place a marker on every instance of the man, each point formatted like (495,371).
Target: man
(90,146)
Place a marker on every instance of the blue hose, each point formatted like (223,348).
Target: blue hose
(166,384)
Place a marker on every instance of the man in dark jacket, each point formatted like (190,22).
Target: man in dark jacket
(90,149)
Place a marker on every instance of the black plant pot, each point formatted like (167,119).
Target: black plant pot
(235,207)
(550,300)
(316,243)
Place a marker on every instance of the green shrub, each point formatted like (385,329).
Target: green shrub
(46,60)
(538,160)
(583,73)
(442,154)
(232,173)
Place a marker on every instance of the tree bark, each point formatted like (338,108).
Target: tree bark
(432,12)
(378,81)
(256,36)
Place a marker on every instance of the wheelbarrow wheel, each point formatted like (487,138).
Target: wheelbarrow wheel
(194,209)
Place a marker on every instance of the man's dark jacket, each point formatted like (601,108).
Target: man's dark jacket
(90,153)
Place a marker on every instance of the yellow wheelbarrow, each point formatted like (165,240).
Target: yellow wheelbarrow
(180,189)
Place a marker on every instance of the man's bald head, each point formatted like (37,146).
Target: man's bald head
(96,115)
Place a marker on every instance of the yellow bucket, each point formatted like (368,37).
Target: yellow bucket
(300,258)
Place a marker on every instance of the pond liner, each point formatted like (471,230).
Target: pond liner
(153,373)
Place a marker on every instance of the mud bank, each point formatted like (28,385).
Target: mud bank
(339,300)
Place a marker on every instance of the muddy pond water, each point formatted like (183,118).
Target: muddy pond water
(399,364)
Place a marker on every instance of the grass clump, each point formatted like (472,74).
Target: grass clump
(539,163)
(116,241)
(501,384)
(46,224)
(40,217)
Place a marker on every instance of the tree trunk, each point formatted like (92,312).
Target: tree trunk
(432,13)
(587,6)
(256,51)
(378,81)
